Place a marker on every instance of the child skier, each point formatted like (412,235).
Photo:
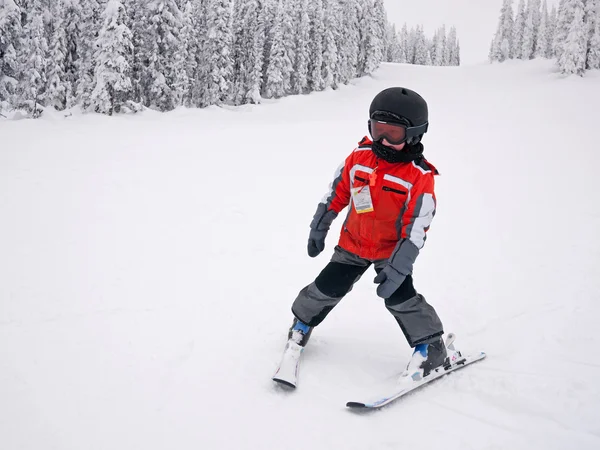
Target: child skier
(391,188)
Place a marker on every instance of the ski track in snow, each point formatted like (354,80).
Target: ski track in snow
(149,263)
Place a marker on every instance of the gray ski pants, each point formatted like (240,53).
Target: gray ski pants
(417,318)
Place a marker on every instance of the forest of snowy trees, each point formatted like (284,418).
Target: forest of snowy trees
(415,48)
(112,56)
(570,34)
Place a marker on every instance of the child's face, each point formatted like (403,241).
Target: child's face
(398,147)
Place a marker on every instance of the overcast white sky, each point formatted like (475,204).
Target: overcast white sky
(475,21)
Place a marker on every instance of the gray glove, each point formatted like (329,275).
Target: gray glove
(389,280)
(398,267)
(318,229)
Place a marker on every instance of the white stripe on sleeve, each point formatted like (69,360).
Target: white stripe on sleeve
(422,220)
(329,194)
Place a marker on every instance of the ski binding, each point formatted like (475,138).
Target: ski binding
(407,384)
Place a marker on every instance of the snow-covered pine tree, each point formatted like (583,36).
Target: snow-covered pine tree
(193,49)
(573,56)
(10,33)
(411,45)
(330,50)
(519,30)
(372,29)
(139,25)
(238,51)
(57,88)
(289,26)
(543,43)
(593,54)
(361,10)
(280,65)
(340,36)
(184,58)
(404,44)
(89,26)
(421,47)
(502,44)
(153,87)
(376,45)
(72,22)
(386,40)
(535,11)
(382,25)
(591,18)
(166,22)
(439,47)
(350,41)
(527,49)
(452,44)
(448,49)
(198,82)
(367,39)
(218,51)
(562,29)
(552,25)
(317,33)
(113,90)
(394,46)
(428,60)
(390,40)
(33,60)
(402,38)
(248,52)
(256,26)
(299,82)
(268,12)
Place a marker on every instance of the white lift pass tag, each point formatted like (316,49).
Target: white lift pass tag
(361,196)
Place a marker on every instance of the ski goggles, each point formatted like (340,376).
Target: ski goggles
(394,133)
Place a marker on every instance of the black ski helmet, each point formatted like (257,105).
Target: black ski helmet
(401,105)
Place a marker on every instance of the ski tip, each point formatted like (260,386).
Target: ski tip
(284,383)
(355,405)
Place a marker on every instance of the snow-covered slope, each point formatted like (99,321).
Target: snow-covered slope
(148,265)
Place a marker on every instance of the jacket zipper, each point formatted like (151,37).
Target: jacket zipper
(397,191)
(374,212)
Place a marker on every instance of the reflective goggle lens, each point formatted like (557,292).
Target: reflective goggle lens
(394,133)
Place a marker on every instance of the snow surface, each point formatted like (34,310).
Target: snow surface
(148,264)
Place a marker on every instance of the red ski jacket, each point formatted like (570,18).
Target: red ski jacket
(403,203)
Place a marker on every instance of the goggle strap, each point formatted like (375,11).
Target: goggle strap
(418,130)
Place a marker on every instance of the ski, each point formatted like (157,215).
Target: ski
(287,372)
(407,384)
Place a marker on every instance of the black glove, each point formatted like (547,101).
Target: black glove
(318,229)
